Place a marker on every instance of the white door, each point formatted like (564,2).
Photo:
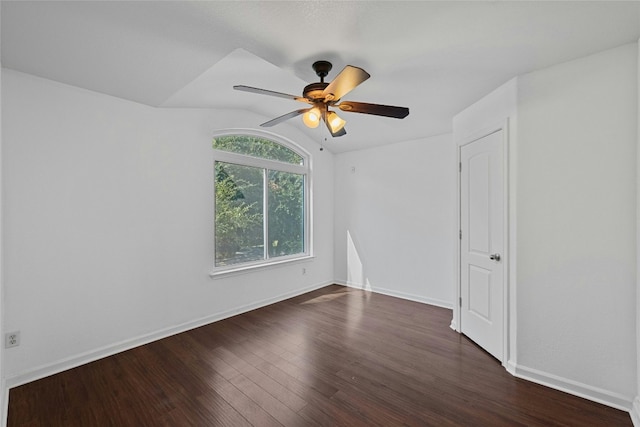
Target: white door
(482,240)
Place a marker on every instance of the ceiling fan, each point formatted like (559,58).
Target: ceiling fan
(321,95)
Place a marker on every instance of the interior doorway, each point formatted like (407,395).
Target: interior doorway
(482,242)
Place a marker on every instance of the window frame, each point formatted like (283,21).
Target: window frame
(267,165)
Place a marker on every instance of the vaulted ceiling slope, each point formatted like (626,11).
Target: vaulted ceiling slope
(434,57)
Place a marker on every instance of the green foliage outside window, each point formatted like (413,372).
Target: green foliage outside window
(286,213)
(240,193)
(238,226)
(257,147)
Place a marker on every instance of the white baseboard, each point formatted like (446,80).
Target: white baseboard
(403,295)
(635,412)
(90,356)
(510,366)
(595,394)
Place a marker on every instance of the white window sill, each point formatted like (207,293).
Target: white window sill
(255,267)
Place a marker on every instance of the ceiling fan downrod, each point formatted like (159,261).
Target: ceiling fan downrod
(322,69)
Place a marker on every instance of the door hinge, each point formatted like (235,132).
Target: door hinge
(460,166)
(460,301)
(460,235)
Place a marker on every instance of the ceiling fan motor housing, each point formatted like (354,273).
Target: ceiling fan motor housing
(314,91)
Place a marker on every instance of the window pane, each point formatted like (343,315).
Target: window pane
(286,213)
(257,147)
(239,232)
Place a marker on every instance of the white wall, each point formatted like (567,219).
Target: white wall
(108,210)
(4,395)
(395,219)
(576,225)
(635,411)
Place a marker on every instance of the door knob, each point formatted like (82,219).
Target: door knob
(495,257)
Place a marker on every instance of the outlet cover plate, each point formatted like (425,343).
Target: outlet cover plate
(11,339)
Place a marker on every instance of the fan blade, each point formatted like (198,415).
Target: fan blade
(376,109)
(284,117)
(271,93)
(345,82)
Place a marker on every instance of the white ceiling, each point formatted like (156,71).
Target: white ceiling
(434,57)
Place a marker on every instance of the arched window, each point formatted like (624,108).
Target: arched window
(261,201)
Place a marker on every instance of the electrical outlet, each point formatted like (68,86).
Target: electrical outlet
(304,271)
(11,339)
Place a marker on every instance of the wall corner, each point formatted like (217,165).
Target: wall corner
(635,409)
(4,391)
(635,412)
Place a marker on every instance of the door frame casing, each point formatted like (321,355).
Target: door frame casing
(508,333)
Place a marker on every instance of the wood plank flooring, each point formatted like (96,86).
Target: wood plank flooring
(333,357)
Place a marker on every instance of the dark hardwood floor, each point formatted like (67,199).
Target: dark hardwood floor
(332,357)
